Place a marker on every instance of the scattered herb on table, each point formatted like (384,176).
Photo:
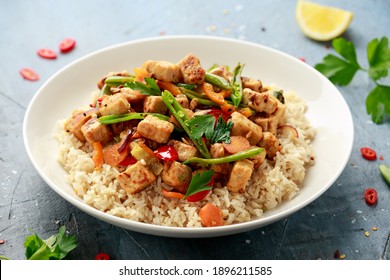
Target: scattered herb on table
(341,70)
(56,247)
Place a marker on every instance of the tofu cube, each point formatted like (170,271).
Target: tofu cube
(184,150)
(270,143)
(154,104)
(262,101)
(240,175)
(242,126)
(95,131)
(155,129)
(177,175)
(135,178)
(114,105)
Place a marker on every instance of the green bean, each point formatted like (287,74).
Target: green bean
(115,81)
(238,156)
(218,81)
(104,91)
(111,119)
(236,95)
(181,116)
(202,99)
(186,86)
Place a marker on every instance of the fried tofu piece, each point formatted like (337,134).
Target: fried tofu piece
(270,143)
(242,126)
(240,175)
(192,71)
(261,101)
(177,175)
(95,131)
(136,178)
(216,151)
(184,151)
(76,122)
(155,129)
(154,104)
(114,105)
(163,70)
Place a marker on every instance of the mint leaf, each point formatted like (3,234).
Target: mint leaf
(201,125)
(222,131)
(340,71)
(378,55)
(199,182)
(378,103)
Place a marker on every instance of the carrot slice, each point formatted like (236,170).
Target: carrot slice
(169,194)
(169,87)
(237,144)
(211,215)
(214,96)
(141,74)
(111,156)
(97,154)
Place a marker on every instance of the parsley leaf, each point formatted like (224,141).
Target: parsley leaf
(378,103)
(340,71)
(199,182)
(55,247)
(201,125)
(222,131)
(150,88)
(378,55)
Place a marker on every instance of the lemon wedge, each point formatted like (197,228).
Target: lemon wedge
(321,23)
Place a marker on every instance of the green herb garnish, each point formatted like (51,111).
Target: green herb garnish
(341,71)
(202,125)
(56,247)
(222,131)
(199,182)
(150,88)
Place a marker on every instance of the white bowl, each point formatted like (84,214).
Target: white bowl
(70,87)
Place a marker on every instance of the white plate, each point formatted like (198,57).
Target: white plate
(70,88)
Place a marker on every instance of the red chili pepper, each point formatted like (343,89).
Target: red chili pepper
(67,45)
(371,196)
(47,53)
(167,153)
(102,257)
(29,74)
(198,196)
(202,194)
(128,161)
(368,153)
(216,113)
